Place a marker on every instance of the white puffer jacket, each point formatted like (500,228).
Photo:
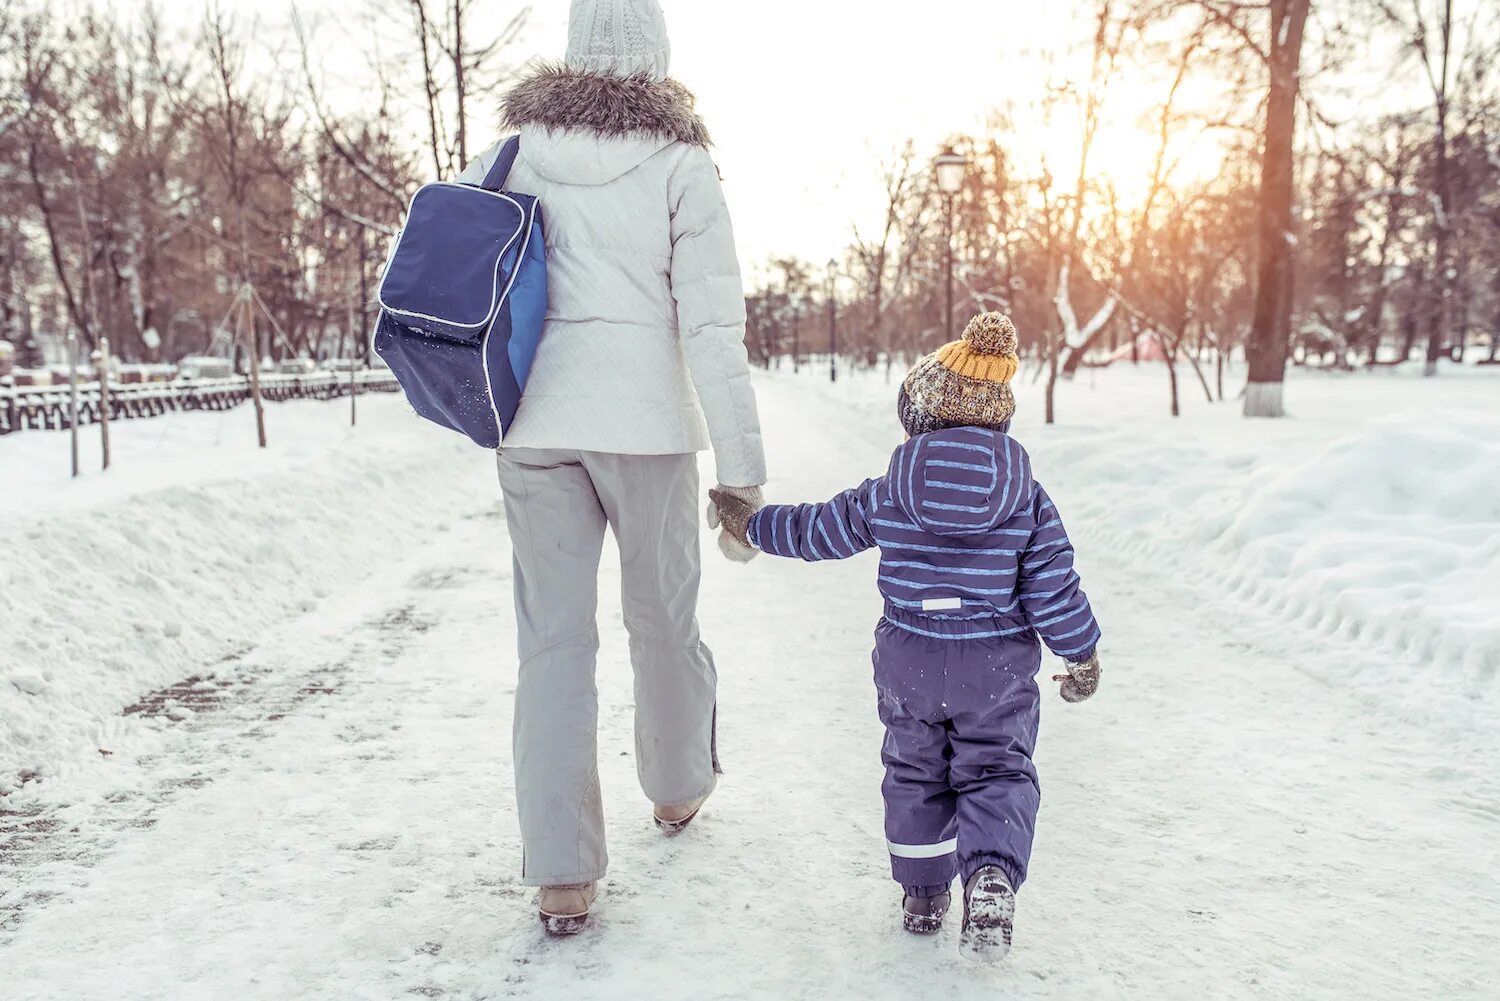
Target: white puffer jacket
(645,332)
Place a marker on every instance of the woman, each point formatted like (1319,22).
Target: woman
(644,340)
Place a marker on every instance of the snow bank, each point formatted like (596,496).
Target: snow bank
(1389,536)
(117,584)
(1372,513)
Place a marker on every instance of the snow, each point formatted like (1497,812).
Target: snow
(1373,513)
(195,541)
(1285,787)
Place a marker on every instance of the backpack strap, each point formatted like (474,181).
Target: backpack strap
(500,172)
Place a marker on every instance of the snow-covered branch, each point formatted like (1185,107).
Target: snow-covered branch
(1074,337)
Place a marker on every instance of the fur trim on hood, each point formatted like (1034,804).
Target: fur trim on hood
(555,97)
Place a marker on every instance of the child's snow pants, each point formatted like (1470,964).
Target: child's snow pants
(960,715)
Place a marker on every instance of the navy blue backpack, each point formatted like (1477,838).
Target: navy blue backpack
(463,302)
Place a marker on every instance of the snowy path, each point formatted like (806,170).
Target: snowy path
(1218,823)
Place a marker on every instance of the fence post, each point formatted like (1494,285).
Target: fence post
(73,396)
(353,371)
(104,397)
(247,319)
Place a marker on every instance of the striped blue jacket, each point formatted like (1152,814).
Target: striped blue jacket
(970,545)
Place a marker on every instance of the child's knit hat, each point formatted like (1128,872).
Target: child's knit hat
(965,383)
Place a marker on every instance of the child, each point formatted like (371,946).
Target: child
(975,565)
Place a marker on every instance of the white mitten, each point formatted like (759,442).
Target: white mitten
(735,550)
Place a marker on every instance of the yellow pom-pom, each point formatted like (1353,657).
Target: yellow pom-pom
(992,334)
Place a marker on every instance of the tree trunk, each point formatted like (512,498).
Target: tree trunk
(73,398)
(1170,353)
(1196,362)
(429,80)
(1459,339)
(1412,330)
(104,401)
(1442,254)
(1052,384)
(364,302)
(252,341)
(1267,346)
(458,82)
(78,311)
(29,348)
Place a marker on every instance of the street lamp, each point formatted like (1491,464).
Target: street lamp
(951,169)
(829,290)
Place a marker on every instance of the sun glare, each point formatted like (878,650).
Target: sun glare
(1126,146)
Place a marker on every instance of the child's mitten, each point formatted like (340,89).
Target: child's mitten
(733,511)
(1082,679)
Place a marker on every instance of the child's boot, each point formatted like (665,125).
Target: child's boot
(924,914)
(989,913)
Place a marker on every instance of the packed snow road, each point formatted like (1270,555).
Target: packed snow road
(329,813)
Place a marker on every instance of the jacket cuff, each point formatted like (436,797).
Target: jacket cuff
(752,529)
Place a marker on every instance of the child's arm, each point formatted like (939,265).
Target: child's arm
(1050,590)
(832,531)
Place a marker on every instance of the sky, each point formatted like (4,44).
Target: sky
(806,98)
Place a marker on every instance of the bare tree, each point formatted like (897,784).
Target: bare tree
(451,68)
(1455,53)
(874,258)
(1108,39)
(44,99)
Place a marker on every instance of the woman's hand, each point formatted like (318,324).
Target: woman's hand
(731,509)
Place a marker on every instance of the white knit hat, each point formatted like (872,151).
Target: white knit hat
(621,38)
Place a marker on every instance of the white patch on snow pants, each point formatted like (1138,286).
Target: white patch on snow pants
(557,505)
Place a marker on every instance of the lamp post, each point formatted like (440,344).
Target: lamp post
(951,168)
(73,396)
(796,307)
(829,289)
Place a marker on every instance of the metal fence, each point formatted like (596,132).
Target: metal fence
(47,408)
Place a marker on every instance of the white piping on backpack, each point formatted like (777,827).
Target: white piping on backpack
(494,301)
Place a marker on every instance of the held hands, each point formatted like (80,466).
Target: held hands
(731,508)
(1082,679)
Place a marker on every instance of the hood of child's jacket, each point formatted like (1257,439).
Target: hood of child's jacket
(590,128)
(962,481)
